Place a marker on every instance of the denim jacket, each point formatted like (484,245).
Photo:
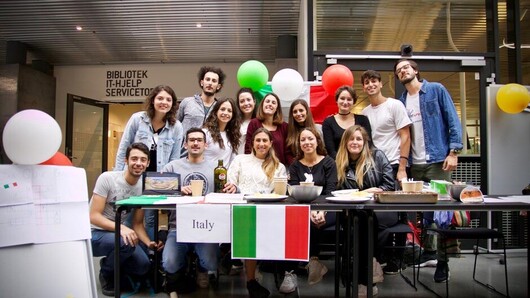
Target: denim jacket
(139,129)
(441,125)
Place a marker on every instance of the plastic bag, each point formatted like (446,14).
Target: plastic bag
(443,219)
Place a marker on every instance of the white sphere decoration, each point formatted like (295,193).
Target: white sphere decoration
(31,137)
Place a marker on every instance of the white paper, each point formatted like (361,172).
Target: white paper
(224,198)
(59,184)
(43,204)
(17,225)
(178,200)
(61,222)
(204,223)
(16,184)
(515,199)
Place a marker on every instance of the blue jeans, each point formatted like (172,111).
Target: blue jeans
(175,254)
(149,222)
(133,259)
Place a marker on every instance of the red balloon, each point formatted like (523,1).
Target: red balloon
(58,159)
(336,76)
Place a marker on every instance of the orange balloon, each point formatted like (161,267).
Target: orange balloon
(58,159)
(513,98)
(336,76)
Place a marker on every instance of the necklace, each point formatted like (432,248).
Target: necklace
(344,114)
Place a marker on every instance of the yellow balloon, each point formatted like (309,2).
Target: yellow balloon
(513,98)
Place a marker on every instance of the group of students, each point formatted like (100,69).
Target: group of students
(368,152)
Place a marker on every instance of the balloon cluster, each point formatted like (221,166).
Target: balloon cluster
(513,98)
(32,137)
(287,83)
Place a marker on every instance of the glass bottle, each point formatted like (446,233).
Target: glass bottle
(219,177)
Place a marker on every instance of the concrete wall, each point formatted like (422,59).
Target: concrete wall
(21,88)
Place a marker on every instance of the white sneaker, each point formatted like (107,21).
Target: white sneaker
(289,284)
(363,291)
(378,274)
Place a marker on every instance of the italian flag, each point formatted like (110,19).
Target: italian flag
(270,232)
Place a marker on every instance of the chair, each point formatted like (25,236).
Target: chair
(473,233)
(402,228)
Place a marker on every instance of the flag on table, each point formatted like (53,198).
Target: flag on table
(270,232)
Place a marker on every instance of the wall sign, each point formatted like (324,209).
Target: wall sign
(127,83)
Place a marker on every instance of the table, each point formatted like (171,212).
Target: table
(352,223)
(371,206)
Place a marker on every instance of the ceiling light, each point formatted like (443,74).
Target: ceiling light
(198,25)
(78,28)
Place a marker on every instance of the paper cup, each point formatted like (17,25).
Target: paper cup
(196,187)
(280,186)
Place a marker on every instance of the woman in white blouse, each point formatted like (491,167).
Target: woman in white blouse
(222,129)
(244,172)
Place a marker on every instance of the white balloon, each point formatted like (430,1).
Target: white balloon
(31,137)
(287,84)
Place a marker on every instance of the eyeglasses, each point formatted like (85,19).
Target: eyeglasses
(404,67)
(193,140)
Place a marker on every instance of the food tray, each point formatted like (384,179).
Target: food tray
(399,197)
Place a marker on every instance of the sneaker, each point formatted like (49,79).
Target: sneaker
(363,291)
(442,272)
(107,285)
(392,267)
(202,279)
(289,283)
(377,272)
(316,270)
(255,290)
(427,259)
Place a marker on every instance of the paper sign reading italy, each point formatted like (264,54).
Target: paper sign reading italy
(203,223)
(270,232)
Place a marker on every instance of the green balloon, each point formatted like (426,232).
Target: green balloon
(252,74)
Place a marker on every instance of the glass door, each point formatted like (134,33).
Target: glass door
(86,136)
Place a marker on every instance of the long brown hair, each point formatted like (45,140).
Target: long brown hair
(365,161)
(232,129)
(321,149)
(271,162)
(294,128)
(277,119)
(171,115)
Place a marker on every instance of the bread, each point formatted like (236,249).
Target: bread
(471,194)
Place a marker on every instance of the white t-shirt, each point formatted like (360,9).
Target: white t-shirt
(113,187)
(416,132)
(214,152)
(386,119)
(244,128)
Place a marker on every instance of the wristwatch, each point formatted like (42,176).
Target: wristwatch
(456,151)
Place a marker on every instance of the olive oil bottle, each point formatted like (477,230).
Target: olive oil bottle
(219,177)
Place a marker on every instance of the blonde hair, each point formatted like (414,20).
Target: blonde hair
(365,161)
(271,162)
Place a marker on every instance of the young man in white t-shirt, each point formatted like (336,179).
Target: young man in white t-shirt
(391,134)
(113,186)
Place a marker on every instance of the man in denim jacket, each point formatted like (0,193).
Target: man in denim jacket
(436,138)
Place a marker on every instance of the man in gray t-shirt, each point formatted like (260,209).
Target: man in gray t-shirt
(111,187)
(193,167)
(194,110)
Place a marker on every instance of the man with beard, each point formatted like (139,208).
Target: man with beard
(391,134)
(174,257)
(113,186)
(194,110)
(436,137)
